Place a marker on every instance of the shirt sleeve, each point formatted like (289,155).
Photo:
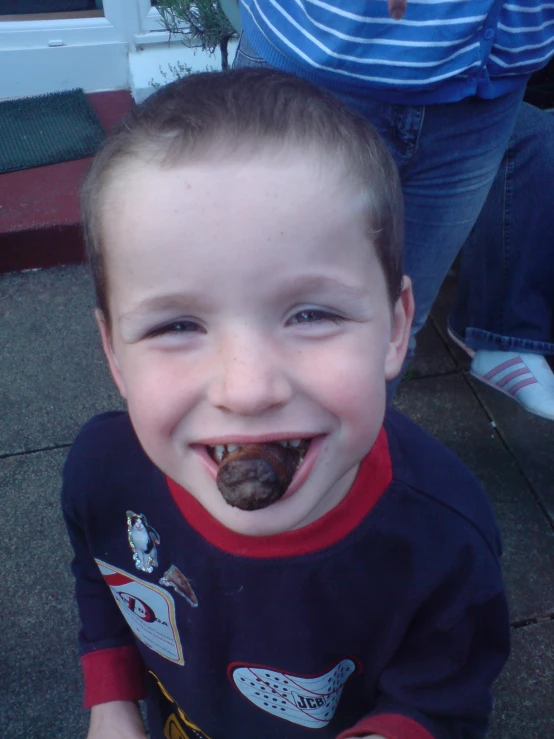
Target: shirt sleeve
(112,666)
(438,685)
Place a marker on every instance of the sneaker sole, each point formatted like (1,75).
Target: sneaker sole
(509,395)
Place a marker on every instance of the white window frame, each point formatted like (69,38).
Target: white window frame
(43,56)
(151,28)
(150,21)
(127,48)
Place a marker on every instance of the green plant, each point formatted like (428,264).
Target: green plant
(175,72)
(200,23)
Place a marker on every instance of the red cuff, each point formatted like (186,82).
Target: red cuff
(115,674)
(391,725)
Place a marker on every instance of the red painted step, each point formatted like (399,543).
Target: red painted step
(39,208)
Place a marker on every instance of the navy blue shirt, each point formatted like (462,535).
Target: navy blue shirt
(387,615)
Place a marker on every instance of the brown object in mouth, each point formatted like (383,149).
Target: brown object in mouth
(256,475)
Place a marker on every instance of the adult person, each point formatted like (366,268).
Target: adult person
(442,84)
(503,314)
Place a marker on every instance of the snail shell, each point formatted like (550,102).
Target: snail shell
(256,475)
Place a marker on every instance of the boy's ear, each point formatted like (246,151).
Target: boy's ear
(109,352)
(402,316)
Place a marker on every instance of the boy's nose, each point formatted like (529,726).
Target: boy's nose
(248,380)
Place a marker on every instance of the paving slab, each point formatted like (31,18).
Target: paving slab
(40,678)
(432,356)
(448,409)
(52,376)
(529,438)
(524,698)
(439,316)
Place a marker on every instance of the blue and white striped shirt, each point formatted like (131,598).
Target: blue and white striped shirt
(441,51)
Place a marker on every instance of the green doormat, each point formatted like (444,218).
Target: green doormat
(47,129)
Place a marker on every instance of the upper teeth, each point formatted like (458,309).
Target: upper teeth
(220,450)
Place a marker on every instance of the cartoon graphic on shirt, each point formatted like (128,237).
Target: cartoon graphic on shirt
(178,724)
(149,611)
(143,540)
(307,701)
(174,578)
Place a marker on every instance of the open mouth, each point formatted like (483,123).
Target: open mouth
(253,476)
(294,448)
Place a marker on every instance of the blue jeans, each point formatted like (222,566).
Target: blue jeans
(448,156)
(506,277)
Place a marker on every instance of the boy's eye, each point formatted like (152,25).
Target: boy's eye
(314,315)
(176,327)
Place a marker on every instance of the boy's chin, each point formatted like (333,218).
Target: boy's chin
(298,508)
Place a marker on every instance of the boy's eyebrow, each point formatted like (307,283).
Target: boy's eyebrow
(161,303)
(316,283)
(196,303)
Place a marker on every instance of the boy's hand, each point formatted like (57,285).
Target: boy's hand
(116,720)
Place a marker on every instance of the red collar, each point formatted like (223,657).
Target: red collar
(374,476)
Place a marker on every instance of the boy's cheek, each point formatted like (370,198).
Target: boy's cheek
(160,403)
(110,354)
(347,384)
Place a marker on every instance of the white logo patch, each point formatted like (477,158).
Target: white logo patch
(149,611)
(307,701)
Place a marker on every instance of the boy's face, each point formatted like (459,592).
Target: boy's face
(247,305)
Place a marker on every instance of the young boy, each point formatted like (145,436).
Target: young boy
(261,549)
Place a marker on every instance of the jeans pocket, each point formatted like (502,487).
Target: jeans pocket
(246,56)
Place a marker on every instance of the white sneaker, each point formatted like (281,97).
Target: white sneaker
(524,377)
